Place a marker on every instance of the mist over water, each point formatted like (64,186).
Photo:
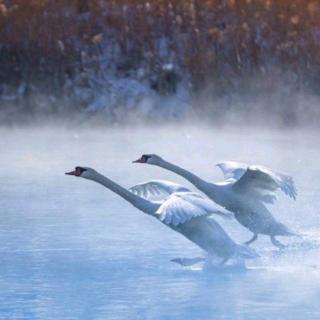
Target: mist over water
(71,249)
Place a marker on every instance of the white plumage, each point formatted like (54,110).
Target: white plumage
(157,189)
(184,212)
(258,181)
(245,191)
(177,203)
(181,207)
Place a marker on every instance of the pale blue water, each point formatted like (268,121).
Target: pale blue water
(71,249)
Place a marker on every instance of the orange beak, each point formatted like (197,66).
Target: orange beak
(138,161)
(76,173)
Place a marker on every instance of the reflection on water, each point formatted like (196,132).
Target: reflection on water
(72,250)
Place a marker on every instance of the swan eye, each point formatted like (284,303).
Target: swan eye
(145,158)
(80,170)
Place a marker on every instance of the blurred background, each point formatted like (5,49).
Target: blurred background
(226,61)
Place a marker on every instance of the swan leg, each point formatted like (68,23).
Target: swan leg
(188,261)
(253,239)
(277,243)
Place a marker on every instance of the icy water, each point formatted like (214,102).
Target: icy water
(71,249)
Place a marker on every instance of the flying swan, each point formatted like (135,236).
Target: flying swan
(245,191)
(185,212)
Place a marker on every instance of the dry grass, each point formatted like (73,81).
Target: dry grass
(214,42)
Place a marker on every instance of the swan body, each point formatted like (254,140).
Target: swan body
(185,212)
(245,191)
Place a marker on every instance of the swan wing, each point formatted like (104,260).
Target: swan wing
(259,180)
(205,203)
(183,206)
(232,169)
(156,190)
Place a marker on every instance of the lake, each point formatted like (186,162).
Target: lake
(71,249)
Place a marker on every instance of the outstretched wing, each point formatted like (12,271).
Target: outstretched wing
(264,181)
(183,206)
(205,204)
(156,190)
(232,169)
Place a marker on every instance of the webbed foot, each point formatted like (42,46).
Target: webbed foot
(188,261)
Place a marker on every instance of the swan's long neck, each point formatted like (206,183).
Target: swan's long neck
(138,202)
(199,183)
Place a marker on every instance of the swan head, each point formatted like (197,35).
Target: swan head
(149,159)
(82,172)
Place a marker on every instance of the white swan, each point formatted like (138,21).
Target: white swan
(185,212)
(244,192)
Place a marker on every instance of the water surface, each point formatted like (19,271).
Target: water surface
(71,249)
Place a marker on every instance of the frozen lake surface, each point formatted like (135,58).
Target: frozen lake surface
(71,249)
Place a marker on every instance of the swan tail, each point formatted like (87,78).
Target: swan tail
(285,231)
(246,252)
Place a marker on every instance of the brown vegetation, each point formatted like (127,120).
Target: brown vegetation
(222,45)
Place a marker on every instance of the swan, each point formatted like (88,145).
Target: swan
(245,191)
(185,212)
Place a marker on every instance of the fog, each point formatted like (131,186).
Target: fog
(72,249)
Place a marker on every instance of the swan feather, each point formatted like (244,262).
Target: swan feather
(258,180)
(156,190)
(181,207)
